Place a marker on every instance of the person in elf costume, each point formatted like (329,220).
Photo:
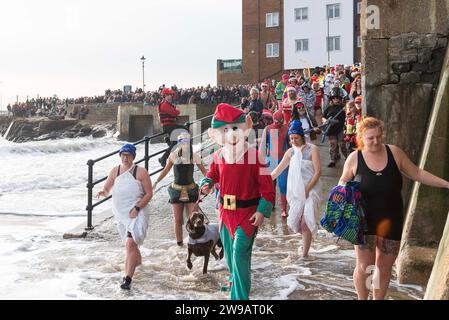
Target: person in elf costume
(246,193)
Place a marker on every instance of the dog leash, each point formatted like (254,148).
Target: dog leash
(199,208)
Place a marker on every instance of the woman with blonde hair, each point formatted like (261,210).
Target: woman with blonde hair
(380,167)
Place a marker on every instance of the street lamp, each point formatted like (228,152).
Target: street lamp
(1,95)
(143,72)
(328,36)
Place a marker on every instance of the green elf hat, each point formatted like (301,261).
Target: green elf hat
(227,114)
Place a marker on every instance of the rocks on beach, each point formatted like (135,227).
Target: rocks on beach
(39,129)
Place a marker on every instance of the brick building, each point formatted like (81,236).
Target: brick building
(267,24)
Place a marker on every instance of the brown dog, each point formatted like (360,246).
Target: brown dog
(203,238)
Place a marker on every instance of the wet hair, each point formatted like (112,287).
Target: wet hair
(365,124)
(179,151)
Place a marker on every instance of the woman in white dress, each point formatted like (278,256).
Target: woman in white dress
(303,184)
(131,192)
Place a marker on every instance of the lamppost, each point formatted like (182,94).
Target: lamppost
(328,37)
(143,72)
(1,96)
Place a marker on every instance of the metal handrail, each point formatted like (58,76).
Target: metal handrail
(90,163)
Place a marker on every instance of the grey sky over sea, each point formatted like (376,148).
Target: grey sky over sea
(80,48)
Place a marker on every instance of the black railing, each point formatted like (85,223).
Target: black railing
(90,164)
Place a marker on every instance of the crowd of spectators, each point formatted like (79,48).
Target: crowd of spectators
(57,107)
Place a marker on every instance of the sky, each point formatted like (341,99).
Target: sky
(80,48)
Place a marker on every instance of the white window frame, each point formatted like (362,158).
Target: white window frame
(271,49)
(301,10)
(272,19)
(359,7)
(359,41)
(301,42)
(333,39)
(333,6)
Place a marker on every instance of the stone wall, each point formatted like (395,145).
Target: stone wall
(100,111)
(403,58)
(191,112)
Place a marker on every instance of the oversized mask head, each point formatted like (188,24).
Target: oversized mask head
(230,126)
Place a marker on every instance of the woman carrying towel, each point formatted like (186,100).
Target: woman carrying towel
(183,191)
(303,184)
(131,192)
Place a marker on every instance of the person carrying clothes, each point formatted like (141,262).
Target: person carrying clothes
(303,185)
(131,192)
(335,131)
(379,168)
(168,115)
(274,143)
(183,192)
(246,193)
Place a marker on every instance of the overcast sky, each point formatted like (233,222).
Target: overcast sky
(80,48)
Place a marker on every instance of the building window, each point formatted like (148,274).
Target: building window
(272,50)
(359,41)
(301,14)
(302,45)
(333,44)
(359,7)
(272,19)
(333,11)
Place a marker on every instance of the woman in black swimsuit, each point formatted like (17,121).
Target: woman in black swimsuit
(183,192)
(380,168)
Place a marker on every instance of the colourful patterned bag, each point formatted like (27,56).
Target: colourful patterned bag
(344,214)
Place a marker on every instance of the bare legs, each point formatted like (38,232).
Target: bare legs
(178,222)
(306,238)
(365,258)
(377,255)
(132,257)
(386,253)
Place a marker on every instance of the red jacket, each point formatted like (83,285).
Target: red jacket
(167,113)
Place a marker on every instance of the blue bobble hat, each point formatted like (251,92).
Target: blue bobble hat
(129,148)
(296,128)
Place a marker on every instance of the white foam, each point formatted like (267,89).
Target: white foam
(290,281)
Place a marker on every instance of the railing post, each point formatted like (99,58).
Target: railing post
(90,187)
(147,144)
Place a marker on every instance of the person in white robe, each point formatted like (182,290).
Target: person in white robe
(303,185)
(131,191)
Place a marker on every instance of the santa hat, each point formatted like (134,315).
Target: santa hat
(291,88)
(227,114)
(278,116)
(167,91)
(267,112)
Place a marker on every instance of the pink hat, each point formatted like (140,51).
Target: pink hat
(285,77)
